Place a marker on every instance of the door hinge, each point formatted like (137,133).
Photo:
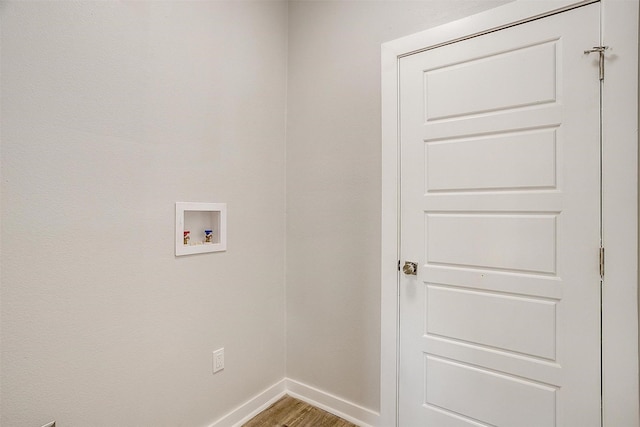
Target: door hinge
(600,50)
(398,265)
(601,262)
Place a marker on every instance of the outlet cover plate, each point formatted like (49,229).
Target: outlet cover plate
(218,360)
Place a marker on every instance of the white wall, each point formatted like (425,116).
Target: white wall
(112,112)
(334,185)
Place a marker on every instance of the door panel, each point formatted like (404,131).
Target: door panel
(517,242)
(500,200)
(531,329)
(517,160)
(481,394)
(511,79)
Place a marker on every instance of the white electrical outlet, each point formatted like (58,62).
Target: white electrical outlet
(218,360)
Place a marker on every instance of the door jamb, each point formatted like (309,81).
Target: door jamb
(621,397)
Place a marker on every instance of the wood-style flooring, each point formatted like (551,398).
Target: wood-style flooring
(290,412)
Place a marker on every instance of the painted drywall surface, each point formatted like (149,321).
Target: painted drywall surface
(333,185)
(112,112)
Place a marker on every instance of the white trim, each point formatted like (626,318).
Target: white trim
(253,406)
(390,243)
(491,20)
(342,408)
(620,202)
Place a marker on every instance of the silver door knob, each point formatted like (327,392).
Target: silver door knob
(410,268)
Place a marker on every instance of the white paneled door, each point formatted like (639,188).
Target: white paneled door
(500,210)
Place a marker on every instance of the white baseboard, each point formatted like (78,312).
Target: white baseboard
(253,406)
(351,412)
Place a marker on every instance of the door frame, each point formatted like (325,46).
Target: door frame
(619,22)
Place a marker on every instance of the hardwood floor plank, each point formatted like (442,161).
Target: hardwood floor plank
(290,412)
